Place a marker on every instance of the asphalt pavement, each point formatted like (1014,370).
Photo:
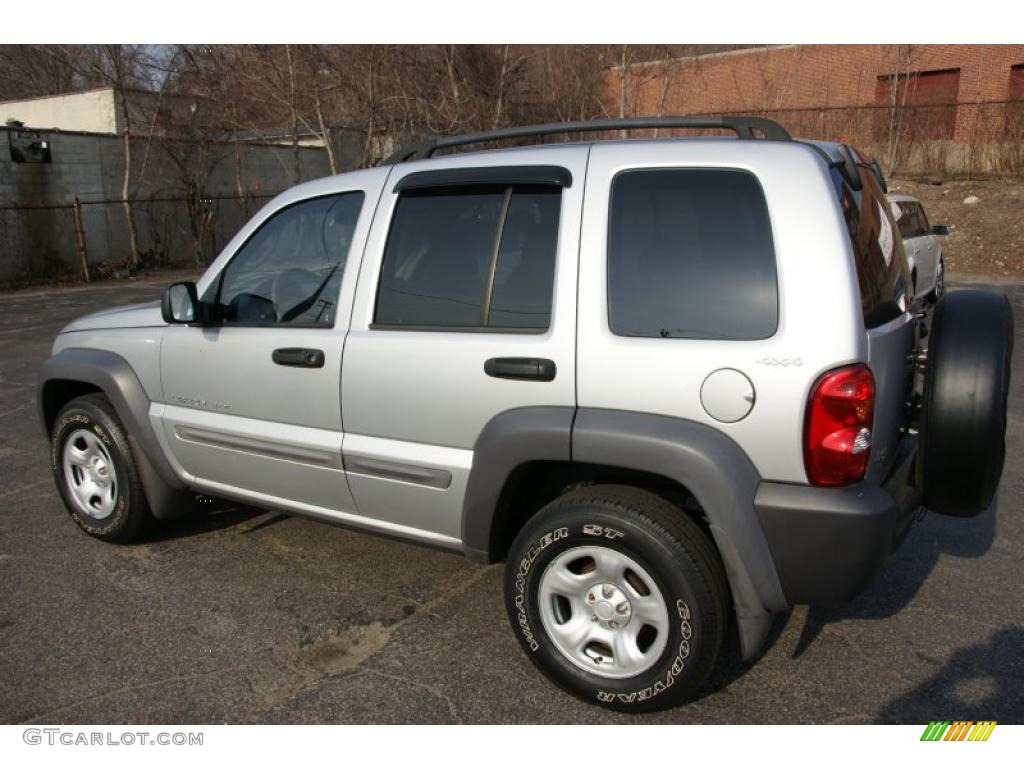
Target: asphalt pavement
(243,615)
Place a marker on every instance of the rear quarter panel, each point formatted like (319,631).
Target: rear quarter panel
(820,321)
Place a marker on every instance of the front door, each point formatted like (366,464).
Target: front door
(252,399)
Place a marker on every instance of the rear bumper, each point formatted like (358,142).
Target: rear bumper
(828,544)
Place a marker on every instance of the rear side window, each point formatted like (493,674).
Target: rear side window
(877,247)
(691,255)
(471,257)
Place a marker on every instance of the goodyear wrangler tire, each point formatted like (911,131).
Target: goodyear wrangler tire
(95,471)
(967,383)
(618,597)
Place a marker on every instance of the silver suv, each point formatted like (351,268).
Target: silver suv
(677,384)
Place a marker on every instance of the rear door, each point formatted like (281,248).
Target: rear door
(471,264)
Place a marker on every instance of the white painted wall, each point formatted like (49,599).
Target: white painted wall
(93,111)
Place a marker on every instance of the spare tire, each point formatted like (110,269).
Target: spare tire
(967,382)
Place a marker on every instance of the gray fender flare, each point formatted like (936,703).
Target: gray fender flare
(509,440)
(704,460)
(722,479)
(114,376)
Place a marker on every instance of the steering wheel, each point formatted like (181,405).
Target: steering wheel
(291,288)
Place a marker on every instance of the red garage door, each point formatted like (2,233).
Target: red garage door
(926,102)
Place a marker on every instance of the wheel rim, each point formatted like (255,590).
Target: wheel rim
(603,612)
(90,474)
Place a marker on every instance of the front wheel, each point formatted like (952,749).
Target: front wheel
(95,471)
(618,597)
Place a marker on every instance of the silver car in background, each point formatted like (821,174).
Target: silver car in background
(922,245)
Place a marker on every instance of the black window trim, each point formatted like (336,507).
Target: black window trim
(608,233)
(926,227)
(218,281)
(488,175)
(907,219)
(508,191)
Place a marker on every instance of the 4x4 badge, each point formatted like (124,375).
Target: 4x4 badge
(785,362)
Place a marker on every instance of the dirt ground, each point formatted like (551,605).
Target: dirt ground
(987,237)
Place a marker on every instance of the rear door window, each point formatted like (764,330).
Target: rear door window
(691,255)
(471,258)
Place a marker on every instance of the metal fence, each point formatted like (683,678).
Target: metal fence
(89,239)
(83,240)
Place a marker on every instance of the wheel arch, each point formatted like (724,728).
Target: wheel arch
(690,458)
(77,371)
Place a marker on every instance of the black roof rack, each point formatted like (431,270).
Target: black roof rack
(744,127)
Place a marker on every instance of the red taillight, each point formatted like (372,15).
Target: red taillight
(837,431)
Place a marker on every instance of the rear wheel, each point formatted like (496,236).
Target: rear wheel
(95,471)
(618,597)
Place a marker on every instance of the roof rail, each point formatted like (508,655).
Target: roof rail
(745,128)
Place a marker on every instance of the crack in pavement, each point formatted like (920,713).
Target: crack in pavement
(433,689)
(48,716)
(15,410)
(21,384)
(857,717)
(22,488)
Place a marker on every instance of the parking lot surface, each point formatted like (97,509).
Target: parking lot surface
(244,615)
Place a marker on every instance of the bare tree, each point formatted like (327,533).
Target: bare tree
(35,70)
(900,85)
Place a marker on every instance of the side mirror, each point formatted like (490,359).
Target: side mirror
(940,229)
(180,303)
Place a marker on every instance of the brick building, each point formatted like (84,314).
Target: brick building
(937,99)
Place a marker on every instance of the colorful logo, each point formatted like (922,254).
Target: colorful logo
(958,730)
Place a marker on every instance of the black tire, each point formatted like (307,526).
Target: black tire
(130,517)
(967,384)
(675,553)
